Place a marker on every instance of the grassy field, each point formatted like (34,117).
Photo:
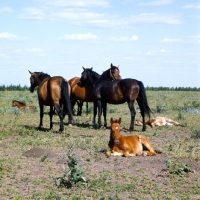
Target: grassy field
(27,174)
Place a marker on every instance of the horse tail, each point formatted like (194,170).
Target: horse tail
(66,100)
(142,100)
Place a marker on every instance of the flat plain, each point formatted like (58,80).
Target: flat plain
(32,159)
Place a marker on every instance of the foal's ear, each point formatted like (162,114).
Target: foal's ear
(30,72)
(119,120)
(111,120)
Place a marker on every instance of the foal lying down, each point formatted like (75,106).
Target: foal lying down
(159,121)
(131,145)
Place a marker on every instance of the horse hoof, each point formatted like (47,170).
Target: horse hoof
(108,153)
(70,125)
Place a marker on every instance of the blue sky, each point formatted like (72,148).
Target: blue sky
(156,42)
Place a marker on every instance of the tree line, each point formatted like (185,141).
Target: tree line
(25,88)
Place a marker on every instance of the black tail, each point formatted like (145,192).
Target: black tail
(66,100)
(142,101)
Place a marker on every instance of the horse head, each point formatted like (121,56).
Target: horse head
(36,78)
(85,75)
(115,129)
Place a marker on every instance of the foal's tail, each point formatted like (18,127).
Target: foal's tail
(142,101)
(66,100)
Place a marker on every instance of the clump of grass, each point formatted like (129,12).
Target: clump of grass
(74,176)
(178,167)
(196,134)
(161,108)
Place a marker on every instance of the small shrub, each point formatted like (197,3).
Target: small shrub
(178,167)
(196,134)
(74,176)
(161,109)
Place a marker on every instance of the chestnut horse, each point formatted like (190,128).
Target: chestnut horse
(22,106)
(81,93)
(53,92)
(110,88)
(128,145)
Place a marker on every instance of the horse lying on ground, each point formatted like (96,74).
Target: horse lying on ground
(159,121)
(22,106)
(131,145)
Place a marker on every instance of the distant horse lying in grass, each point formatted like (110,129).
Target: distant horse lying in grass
(158,121)
(131,145)
(22,106)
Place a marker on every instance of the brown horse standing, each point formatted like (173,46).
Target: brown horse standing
(22,106)
(83,93)
(53,92)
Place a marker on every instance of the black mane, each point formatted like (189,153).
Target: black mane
(42,74)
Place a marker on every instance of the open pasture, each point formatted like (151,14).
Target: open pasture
(174,174)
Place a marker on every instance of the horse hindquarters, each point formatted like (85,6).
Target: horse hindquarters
(66,100)
(147,146)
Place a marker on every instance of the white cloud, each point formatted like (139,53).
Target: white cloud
(156,3)
(124,39)
(76,3)
(192,6)
(88,36)
(149,18)
(149,53)
(2,55)
(32,13)
(6,9)
(171,40)
(10,36)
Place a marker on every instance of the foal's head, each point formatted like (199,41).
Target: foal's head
(115,128)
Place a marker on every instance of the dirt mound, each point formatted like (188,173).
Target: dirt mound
(38,152)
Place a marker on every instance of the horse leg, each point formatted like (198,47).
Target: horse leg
(73,102)
(133,112)
(99,105)
(104,113)
(94,112)
(41,115)
(86,108)
(52,109)
(60,114)
(80,105)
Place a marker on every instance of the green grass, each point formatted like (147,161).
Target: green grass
(107,178)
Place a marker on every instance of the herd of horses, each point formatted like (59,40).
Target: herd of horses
(62,95)
(108,87)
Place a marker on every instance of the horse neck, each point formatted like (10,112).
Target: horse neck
(93,77)
(39,79)
(106,75)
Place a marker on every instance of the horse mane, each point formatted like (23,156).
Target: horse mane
(20,102)
(42,74)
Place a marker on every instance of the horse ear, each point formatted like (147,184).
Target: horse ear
(119,120)
(30,72)
(111,65)
(83,68)
(91,68)
(111,120)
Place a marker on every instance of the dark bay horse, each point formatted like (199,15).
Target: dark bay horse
(21,105)
(53,92)
(111,89)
